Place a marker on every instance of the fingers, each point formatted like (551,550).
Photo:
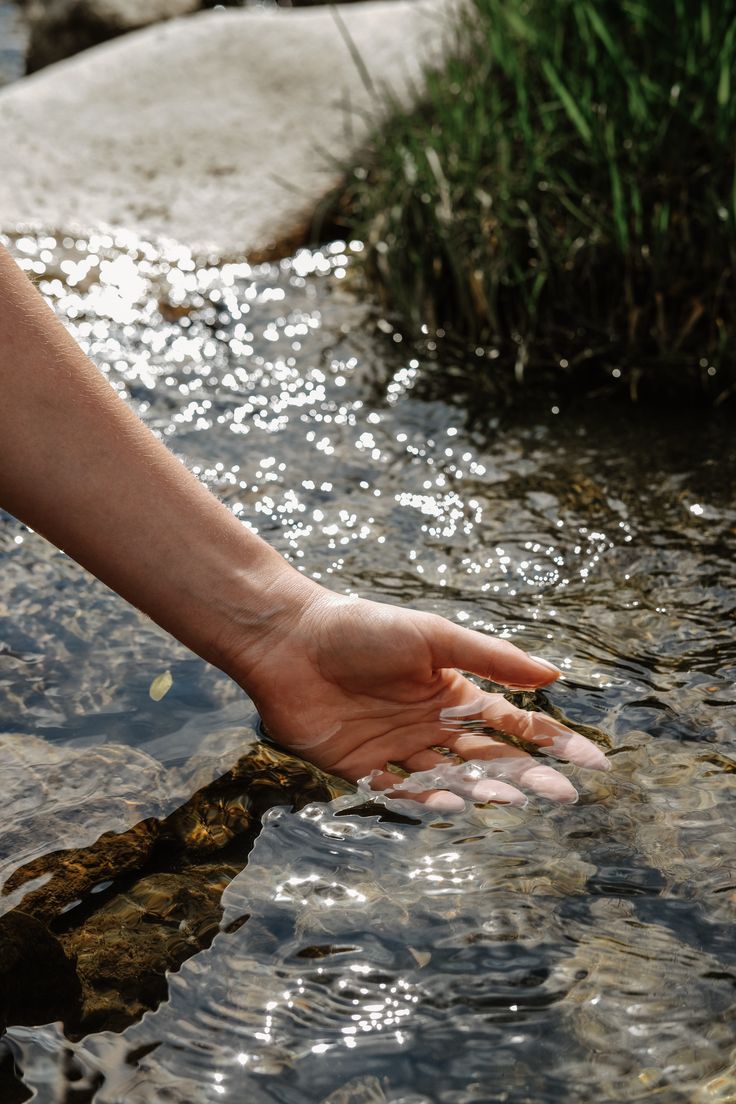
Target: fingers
(538,728)
(442,800)
(437,781)
(501,761)
(430,768)
(490,770)
(497,660)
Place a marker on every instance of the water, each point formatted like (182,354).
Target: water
(13,42)
(547,953)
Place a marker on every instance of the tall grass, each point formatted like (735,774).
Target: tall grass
(567,192)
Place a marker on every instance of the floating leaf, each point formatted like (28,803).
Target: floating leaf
(421,957)
(160,686)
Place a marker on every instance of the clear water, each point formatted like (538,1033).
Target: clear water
(548,953)
(13,42)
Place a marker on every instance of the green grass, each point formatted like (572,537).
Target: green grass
(565,197)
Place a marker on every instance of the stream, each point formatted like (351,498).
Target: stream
(319,947)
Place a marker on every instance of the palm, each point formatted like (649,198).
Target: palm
(359,685)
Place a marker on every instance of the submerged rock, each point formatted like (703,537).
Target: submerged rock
(64,27)
(38,981)
(100,926)
(60,800)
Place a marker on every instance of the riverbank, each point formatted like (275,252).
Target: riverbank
(564,200)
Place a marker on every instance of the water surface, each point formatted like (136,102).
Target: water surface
(546,953)
(13,42)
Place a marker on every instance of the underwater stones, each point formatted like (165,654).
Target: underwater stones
(640,991)
(123,950)
(64,27)
(134,905)
(360,1090)
(224,130)
(38,982)
(67,797)
(68,876)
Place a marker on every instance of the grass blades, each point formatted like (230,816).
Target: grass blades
(567,192)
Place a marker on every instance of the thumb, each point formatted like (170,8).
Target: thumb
(494,659)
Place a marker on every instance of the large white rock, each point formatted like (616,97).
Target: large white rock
(224,129)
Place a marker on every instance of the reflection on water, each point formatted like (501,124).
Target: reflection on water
(526,954)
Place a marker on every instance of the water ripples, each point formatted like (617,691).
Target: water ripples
(536,953)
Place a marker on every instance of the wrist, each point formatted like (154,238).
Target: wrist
(259,605)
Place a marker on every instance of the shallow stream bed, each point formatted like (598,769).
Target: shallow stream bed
(323,949)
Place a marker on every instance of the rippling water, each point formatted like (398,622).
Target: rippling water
(548,953)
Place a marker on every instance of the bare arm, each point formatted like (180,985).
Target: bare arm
(79,467)
(351,685)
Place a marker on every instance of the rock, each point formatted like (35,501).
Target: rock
(106,922)
(60,798)
(64,27)
(38,983)
(71,875)
(224,130)
(123,950)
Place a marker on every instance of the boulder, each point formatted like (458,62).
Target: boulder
(38,982)
(60,28)
(224,130)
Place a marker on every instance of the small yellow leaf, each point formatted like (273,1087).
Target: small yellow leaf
(421,957)
(160,686)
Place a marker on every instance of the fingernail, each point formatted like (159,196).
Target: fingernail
(550,784)
(498,792)
(554,738)
(580,752)
(446,802)
(546,663)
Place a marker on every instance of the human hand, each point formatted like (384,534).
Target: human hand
(353,685)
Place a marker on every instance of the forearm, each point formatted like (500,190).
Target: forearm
(79,467)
